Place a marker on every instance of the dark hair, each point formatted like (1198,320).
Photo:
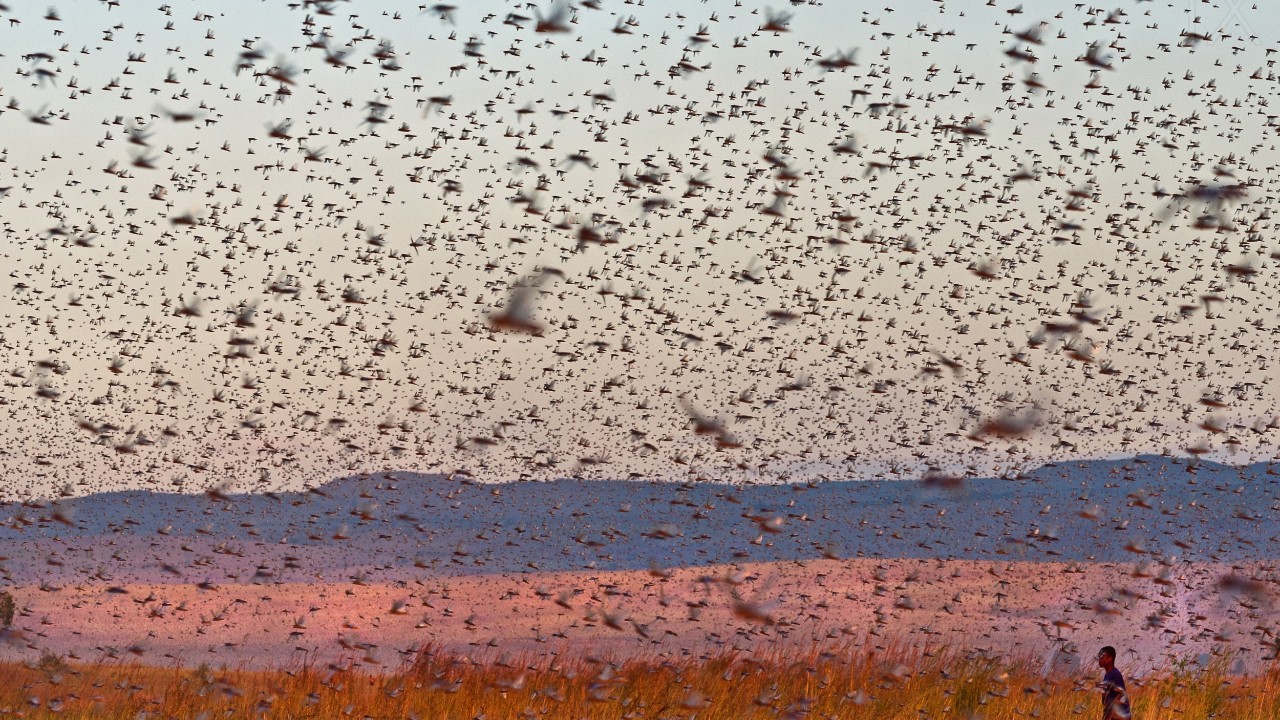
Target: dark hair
(1108,651)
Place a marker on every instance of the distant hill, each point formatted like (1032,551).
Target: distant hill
(398,526)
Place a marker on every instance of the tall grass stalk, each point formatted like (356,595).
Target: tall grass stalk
(894,683)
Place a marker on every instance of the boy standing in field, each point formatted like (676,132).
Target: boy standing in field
(1115,699)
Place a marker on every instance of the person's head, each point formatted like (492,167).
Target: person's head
(1107,658)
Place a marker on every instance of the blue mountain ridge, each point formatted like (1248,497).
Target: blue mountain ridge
(394,525)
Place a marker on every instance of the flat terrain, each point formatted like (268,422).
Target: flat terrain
(1058,611)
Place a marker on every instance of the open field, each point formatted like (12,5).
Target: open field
(1056,613)
(614,600)
(845,682)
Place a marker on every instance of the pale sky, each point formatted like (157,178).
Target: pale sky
(842,240)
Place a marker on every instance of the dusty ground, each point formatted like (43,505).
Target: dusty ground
(1056,613)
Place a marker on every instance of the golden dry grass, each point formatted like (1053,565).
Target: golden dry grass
(851,683)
